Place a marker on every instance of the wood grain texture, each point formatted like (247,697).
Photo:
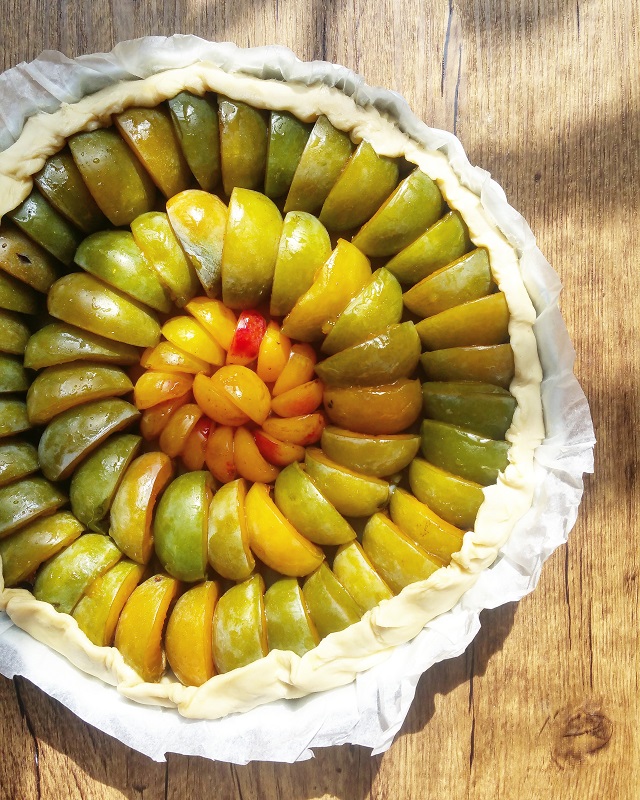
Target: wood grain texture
(545,702)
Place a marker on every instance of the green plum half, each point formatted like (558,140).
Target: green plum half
(17,460)
(95,482)
(288,137)
(72,435)
(364,184)
(444,242)
(180,526)
(385,358)
(61,183)
(116,179)
(24,551)
(82,300)
(25,500)
(195,121)
(64,578)
(59,388)
(115,258)
(308,510)
(415,205)
(59,343)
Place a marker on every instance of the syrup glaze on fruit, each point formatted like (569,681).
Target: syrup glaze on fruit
(249,322)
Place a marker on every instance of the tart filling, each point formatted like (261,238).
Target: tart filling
(353,475)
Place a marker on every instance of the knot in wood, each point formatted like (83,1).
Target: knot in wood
(580,732)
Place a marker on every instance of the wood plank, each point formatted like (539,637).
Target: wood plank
(545,702)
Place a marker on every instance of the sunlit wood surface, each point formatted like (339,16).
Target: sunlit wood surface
(544,704)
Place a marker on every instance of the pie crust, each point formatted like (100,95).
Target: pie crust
(340,656)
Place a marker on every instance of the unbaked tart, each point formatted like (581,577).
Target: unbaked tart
(270,388)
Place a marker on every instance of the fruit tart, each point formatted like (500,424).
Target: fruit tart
(270,387)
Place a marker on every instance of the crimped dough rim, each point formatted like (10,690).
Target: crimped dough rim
(340,656)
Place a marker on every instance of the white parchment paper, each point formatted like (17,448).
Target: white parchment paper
(371,710)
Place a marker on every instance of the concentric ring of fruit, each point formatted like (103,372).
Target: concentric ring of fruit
(232,402)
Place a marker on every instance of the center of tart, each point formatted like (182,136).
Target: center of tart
(229,393)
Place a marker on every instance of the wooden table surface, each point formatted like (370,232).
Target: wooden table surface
(544,703)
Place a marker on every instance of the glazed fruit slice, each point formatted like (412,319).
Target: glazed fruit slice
(289,625)
(116,179)
(379,456)
(300,431)
(389,356)
(493,364)
(132,508)
(243,145)
(35,217)
(308,510)
(412,208)
(274,352)
(276,452)
(23,259)
(155,237)
(323,158)
(353,494)
(481,408)
(466,454)
(386,409)
(468,278)
(228,537)
(299,369)
(454,499)
(95,482)
(25,500)
(59,343)
(247,338)
(423,526)
(61,183)
(365,182)
(13,417)
(374,309)
(395,557)
(478,322)
(303,248)
(65,577)
(14,332)
(151,136)
(180,525)
(216,318)
(189,637)
(274,539)
(24,551)
(17,460)
(288,137)
(330,606)
(139,633)
(166,357)
(16,295)
(443,243)
(189,335)
(254,226)
(13,377)
(98,611)
(199,221)
(59,388)
(155,387)
(239,626)
(82,300)
(115,258)
(72,435)
(195,121)
(339,280)
(356,573)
